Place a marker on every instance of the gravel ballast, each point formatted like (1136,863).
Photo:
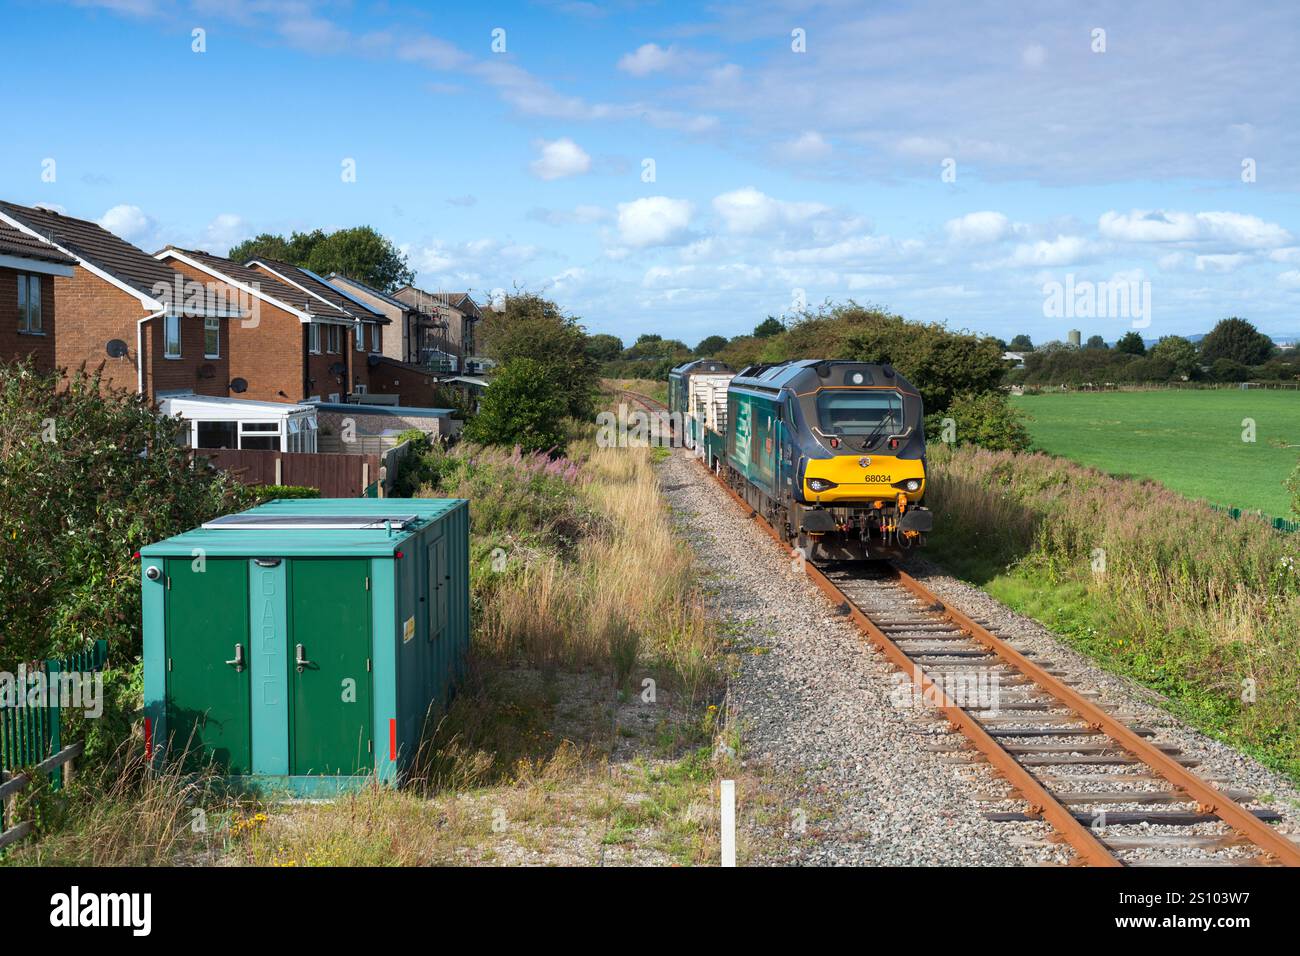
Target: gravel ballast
(818,707)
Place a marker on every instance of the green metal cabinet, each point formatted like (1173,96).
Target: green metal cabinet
(303,645)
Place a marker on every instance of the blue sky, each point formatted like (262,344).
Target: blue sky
(779,176)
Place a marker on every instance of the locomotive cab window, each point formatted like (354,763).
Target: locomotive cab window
(858,413)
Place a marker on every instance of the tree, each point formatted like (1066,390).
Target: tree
(530,326)
(768,328)
(1021,343)
(1238,341)
(710,346)
(1130,343)
(985,419)
(604,348)
(1226,370)
(88,475)
(939,362)
(360,253)
(1178,352)
(523,405)
(1095,342)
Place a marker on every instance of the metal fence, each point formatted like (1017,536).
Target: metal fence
(1279,524)
(29,734)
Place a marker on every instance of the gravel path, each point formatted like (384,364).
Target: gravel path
(817,705)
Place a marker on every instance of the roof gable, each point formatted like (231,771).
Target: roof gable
(128,267)
(315,286)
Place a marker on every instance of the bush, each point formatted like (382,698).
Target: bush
(272,492)
(524,405)
(531,327)
(88,476)
(986,420)
(1293,485)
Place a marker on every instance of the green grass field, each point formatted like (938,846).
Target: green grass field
(1190,441)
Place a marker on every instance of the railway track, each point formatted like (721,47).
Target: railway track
(1109,789)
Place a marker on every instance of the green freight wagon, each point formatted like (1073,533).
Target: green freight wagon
(300,645)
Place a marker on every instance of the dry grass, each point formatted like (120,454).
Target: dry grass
(127,815)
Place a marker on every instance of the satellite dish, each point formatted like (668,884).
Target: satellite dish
(207,371)
(116,348)
(338,368)
(239,386)
(372,359)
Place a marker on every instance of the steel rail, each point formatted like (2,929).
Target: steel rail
(1040,800)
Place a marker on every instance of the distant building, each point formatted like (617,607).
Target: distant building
(1016,357)
(1075,338)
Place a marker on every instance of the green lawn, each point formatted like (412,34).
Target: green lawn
(1190,441)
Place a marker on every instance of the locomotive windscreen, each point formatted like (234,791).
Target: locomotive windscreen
(857,412)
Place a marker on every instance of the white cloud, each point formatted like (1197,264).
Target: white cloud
(807,148)
(127,222)
(1220,263)
(1234,228)
(978,227)
(1290,278)
(860,247)
(649,58)
(1034,56)
(559,158)
(654,221)
(748,211)
(225,230)
(1061,251)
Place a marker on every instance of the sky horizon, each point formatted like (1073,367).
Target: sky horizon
(688,171)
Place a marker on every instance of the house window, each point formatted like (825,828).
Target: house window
(313,338)
(172,344)
(29,305)
(217,435)
(263,435)
(212,337)
(333,338)
(359,334)
(375,339)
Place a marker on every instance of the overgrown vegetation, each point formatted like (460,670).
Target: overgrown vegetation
(1233,351)
(88,476)
(1202,608)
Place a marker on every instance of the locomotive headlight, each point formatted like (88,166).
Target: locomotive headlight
(820,484)
(912,485)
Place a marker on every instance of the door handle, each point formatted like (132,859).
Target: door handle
(238,662)
(300,658)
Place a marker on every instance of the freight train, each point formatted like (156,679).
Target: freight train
(830,453)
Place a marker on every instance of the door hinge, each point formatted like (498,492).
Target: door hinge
(367,665)
(169,663)
(169,582)
(370,746)
(367,582)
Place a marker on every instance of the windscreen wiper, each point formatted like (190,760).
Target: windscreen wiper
(877,432)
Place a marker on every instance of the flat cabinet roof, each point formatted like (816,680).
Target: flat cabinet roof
(311,527)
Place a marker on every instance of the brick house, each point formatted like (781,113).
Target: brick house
(292,346)
(458,310)
(414,332)
(344,332)
(119,307)
(28,317)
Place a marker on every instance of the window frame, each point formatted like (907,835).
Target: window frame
(29,282)
(171,321)
(211,324)
(376,341)
(313,338)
